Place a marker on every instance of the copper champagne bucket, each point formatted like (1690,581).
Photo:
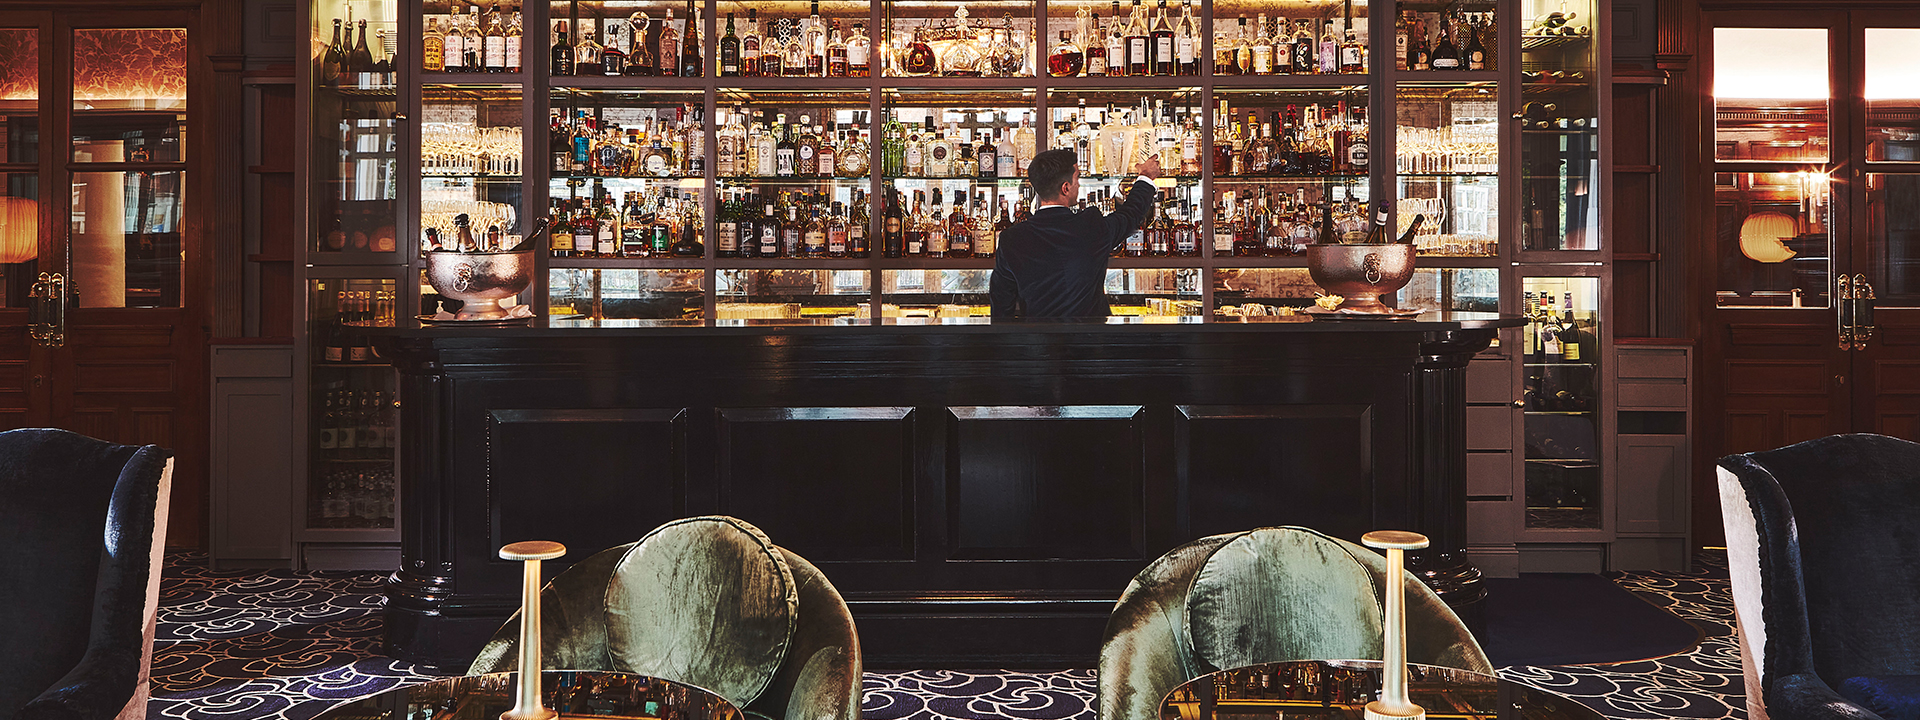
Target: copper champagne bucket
(1361,273)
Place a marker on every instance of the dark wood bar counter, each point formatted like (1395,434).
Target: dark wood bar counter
(980,494)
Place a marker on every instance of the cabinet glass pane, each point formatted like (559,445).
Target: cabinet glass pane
(352,430)
(129,95)
(1773,247)
(1447,163)
(615,294)
(1452,289)
(1770,94)
(355,164)
(470,151)
(1893,237)
(1084,39)
(19,236)
(789,295)
(125,240)
(978,39)
(473,38)
(1560,126)
(1154,292)
(947,295)
(783,156)
(1893,94)
(793,38)
(19,95)
(1446,36)
(1284,161)
(944,148)
(634,38)
(1260,292)
(1561,347)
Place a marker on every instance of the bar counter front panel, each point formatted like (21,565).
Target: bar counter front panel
(980,494)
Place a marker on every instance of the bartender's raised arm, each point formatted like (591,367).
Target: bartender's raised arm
(1141,195)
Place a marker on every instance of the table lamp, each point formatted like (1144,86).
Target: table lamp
(1393,703)
(527,703)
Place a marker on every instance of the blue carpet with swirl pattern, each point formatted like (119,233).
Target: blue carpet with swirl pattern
(239,645)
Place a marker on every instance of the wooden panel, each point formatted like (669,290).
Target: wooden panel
(1490,428)
(252,468)
(588,479)
(1489,473)
(154,376)
(1489,521)
(1652,484)
(1904,424)
(1748,431)
(15,418)
(1757,335)
(120,336)
(153,426)
(1652,363)
(1652,394)
(1776,377)
(13,376)
(1245,467)
(1490,380)
(829,483)
(1807,425)
(1896,377)
(94,422)
(1045,482)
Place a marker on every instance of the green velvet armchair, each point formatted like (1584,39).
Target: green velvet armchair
(1266,595)
(707,601)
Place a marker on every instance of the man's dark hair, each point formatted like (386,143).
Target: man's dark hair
(1050,169)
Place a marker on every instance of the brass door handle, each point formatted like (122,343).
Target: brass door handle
(47,310)
(1862,312)
(1843,310)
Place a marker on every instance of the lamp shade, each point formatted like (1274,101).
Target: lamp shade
(1762,237)
(19,230)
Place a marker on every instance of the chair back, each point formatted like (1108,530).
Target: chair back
(83,522)
(1267,595)
(707,601)
(1832,535)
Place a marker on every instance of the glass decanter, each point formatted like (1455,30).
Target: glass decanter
(963,57)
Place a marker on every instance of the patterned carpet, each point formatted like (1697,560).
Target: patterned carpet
(240,645)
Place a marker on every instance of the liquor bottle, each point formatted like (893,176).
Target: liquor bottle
(1529,343)
(634,230)
(836,54)
(729,51)
(1065,60)
(813,243)
(694,154)
(1186,41)
(859,242)
(515,42)
(985,232)
(1139,48)
(1419,57)
(793,52)
(613,60)
(1329,54)
(920,61)
(562,52)
(1116,55)
(751,45)
(914,229)
(1096,48)
(1186,236)
(959,228)
(1306,52)
(690,49)
(854,161)
(577,240)
(1570,335)
(1352,53)
(586,53)
(1550,346)
(893,241)
(473,43)
(1359,152)
(1162,62)
(989,244)
(1476,51)
(806,157)
(642,44)
(689,243)
(607,233)
(1024,145)
(786,151)
(494,45)
(766,153)
(333,62)
(859,53)
(793,231)
(1402,43)
(433,54)
(1222,230)
(1262,48)
(814,39)
(936,229)
(1445,55)
(1282,48)
(770,231)
(914,155)
(939,156)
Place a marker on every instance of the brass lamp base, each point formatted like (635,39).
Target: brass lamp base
(527,703)
(1377,710)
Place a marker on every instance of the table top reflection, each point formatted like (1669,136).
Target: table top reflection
(1341,689)
(573,693)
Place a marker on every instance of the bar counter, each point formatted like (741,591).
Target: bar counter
(979,493)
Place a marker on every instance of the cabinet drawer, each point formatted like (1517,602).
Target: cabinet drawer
(1490,474)
(1490,427)
(1490,381)
(1653,363)
(1647,393)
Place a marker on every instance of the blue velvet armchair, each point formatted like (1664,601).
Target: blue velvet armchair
(84,524)
(1821,542)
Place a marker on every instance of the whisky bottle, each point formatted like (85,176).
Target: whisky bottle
(984,230)
(494,45)
(1222,230)
(1096,48)
(729,51)
(607,230)
(1186,41)
(562,52)
(433,54)
(647,40)
(915,228)
(959,228)
(836,55)
(1329,50)
(689,243)
(751,45)
(936,229)
(586,53)
(515,42)
(1116,54)
(920,61)
(1445,55)
(1476,51)
(1306,52)
(613,60)
(1162,36)
(814,242)
(1352,54)
(1262,48)
(1065,60)
(893,239)
(473,42)
(690,49)
(859,52)
(859,242)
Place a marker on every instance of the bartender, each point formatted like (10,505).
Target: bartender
(1053,265)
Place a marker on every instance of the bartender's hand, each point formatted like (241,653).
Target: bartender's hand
(1150,168)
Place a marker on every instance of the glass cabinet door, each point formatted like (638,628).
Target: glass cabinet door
(356,180)
(1561,346)
(1560,126)
(351,424)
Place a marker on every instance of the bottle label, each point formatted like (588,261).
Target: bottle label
(1358,155)
(1004,166)
(1136,50)
(728,231)
(562,242)
(893,226)
(1163,50)
(857,55)
(657,165)
(988,164)
(783,162)
(453,55)
(1350,55)
(513,52)
(496,51)
(816,240)
(1184,48)
(1223,243)
(937,240)
(1097,65)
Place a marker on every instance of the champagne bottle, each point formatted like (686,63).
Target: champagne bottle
(1413,229)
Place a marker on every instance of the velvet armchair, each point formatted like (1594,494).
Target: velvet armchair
(1821,539)
(84,523)
(1266,595)
(707,601)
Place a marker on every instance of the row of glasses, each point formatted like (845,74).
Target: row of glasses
(1468,148)
(456,149)
(439,207)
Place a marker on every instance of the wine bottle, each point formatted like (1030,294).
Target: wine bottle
(1413,229)
(1378,234)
